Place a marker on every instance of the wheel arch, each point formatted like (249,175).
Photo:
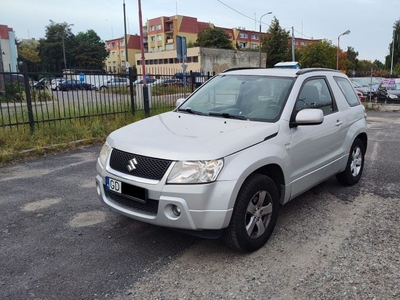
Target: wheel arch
(364,139)
(274,172)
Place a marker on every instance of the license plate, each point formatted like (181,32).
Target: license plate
(113,185)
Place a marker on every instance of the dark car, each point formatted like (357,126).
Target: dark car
(13,78)
(389,91)
(173,82)
(196,77)
(69,85)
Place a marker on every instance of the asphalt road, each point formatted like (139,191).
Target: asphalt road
(59,242)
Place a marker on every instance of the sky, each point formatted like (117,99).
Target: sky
(370,21)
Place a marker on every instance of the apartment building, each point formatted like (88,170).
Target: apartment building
(159,39)
(117,58)
(8,49)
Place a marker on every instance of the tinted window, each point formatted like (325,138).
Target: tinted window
(348,91)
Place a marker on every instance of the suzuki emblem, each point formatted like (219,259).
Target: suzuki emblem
(132,164)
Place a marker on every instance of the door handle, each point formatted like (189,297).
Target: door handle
(338,123)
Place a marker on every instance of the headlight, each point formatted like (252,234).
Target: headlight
(199,171)
(392,96)
(104,154)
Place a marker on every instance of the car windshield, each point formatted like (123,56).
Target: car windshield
(243,97)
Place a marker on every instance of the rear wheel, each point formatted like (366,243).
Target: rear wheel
(254,215)
(355,165)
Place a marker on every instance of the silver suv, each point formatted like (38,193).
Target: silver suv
(229,155)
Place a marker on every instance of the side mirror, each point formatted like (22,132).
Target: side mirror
(309,116)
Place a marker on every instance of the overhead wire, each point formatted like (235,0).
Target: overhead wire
(246,16)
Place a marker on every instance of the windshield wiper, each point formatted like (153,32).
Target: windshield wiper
(227,115)
(191,111)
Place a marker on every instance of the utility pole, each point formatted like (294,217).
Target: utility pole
(126,40)
(2,83)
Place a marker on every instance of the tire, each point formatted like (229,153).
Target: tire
(355,165)
(254,214)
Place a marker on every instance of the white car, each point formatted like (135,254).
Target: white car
(55,83)
(244,143)
(115,82)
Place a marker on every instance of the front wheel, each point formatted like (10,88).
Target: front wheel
(254,215)
(355,165)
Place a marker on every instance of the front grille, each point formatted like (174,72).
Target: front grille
(146,167)
(150,207)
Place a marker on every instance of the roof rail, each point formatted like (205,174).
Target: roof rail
(308,70)
(240,68)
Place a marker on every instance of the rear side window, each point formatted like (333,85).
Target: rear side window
(348,91)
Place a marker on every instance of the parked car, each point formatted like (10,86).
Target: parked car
(13,78)
(196,77)
(389,91)
(115,82)
(68,85)
(55,83)
(365,86)
(149,81)
(42,83)
(173,82)
(246,142)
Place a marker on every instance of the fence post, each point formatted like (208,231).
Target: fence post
(28,96)
(146,100)
(131,90)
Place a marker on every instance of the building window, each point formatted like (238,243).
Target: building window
(243,35)
(159,37)
(113,54)
(152,38)
(152,28)
(122,53)
(152,49)
(195,59)
(122,43)
(254,37)
(254,46)
(242,45)
(160,48)
(113,44)
(295,42)
(303,43)
(158,26)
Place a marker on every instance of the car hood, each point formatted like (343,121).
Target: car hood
(181,136)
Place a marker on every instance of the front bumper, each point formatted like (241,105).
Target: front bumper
(200,206)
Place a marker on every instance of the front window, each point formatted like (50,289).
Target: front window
(247,97)
(315,93)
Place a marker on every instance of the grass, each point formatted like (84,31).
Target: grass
(18,143)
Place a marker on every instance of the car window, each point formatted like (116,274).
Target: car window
(315,94)
(259,98)
(348,91)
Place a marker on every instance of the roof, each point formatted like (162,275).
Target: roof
(276,71)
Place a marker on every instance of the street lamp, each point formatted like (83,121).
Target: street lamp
(65,25)
(259,48)
(338,41)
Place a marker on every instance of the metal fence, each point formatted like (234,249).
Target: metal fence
(84,94)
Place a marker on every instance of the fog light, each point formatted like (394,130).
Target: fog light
(176,210)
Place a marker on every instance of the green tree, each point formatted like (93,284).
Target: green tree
(394,48)
(214,38)
(318,55)
(276,44)
(51,48)
(28,52)
(89,50)
(351,62)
